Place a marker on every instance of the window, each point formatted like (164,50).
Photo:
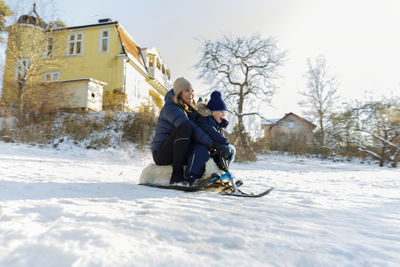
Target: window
(49,48)
(104,41)
(52,76)
(158,64)
(151,60)
(283,139)
(291,124)
(75,44)
(21,68)
(163,69)
(136,92)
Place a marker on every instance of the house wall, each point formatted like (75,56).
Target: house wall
(136,87)
(91,64)
(267,136)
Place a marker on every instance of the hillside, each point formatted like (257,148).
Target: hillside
(75,207)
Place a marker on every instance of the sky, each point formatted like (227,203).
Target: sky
(359,38)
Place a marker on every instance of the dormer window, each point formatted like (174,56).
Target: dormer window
(151,60)
(158,64)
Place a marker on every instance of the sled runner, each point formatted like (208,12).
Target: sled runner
(201,185)
(235,191)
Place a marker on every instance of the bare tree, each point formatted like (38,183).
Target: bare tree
(320,95)
(340,131)
(30,48)
(245,70)
(372,127)
(381,121)
(5,11)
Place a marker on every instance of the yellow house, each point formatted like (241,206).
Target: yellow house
(104,52)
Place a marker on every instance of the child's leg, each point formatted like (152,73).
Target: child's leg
(197,162)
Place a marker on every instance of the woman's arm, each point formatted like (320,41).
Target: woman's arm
(174,115)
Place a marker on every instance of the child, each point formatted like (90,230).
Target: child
(211,120)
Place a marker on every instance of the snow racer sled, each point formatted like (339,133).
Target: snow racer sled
(217,178)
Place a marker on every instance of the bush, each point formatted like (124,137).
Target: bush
(244,149)
(91,129)
(139,127)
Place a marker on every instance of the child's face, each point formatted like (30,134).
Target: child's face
(218,115)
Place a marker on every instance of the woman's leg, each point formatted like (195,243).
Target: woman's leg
(174,151)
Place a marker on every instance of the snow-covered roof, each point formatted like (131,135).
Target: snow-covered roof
(266,121)
(275,121)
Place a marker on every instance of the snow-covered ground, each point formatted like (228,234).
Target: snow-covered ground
(76,207)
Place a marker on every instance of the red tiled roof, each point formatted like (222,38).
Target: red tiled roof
(128,44)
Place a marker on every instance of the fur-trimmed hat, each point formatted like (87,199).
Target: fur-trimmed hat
(180,85)
(216,103)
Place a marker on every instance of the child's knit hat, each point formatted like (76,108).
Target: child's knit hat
(216,103)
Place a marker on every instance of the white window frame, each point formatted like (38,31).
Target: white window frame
(101,38)
(54,76)
(46,53)
(75,41)
(138,94)
(290,124)
(25,63)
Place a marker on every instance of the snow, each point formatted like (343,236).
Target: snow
(75,207)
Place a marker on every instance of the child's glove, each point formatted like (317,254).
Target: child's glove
(224,123)
(223,150)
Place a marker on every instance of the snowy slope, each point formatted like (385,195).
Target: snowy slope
(75,207)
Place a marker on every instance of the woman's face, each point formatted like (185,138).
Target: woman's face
(218,115)
(187,96)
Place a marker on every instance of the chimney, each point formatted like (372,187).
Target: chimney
(105,20)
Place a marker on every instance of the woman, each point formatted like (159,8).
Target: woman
(175,132)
